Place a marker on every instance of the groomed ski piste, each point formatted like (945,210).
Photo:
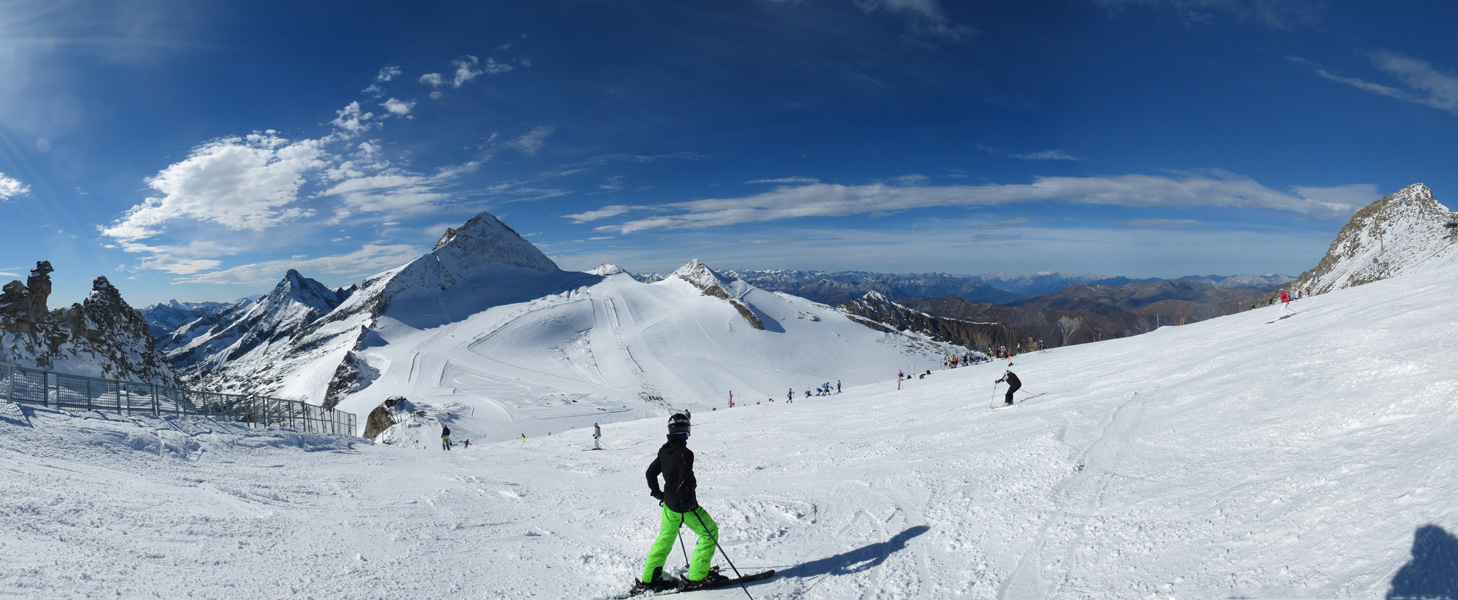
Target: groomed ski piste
(1307,458)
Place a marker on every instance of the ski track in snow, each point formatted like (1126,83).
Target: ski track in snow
(1228,458)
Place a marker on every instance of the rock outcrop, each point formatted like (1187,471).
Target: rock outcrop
(711,284)
(1383,239)
(879,312)
(101,336)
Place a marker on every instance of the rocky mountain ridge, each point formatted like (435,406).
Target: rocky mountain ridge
(1384,238)
(101,336)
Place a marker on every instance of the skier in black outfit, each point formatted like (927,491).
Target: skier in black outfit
(1013,383)
(680,507)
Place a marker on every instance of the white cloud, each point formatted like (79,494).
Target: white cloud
(786,180)
(533,141)
(398,107)
(613,183)
(908,180)
(431,79)
(1046,155)
(372,258)
(611,210)
(1211,188)
(465,70)
(396,192)
(1164,223)
(387,73)
(436,95)
(1421,82)
(241,183)
(352,120)
(11,187)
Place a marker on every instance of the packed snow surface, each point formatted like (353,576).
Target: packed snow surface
(1245,456)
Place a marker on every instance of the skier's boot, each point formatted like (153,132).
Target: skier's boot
(659,583)
(712,580)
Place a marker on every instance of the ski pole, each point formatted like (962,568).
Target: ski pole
(685,550)
(994,396)
(725,554)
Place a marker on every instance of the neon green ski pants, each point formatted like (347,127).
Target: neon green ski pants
(697,520)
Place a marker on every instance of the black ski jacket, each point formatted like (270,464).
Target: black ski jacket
(676,462)
(1012,380)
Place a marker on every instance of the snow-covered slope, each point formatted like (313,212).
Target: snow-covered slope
(591,349)
(1243,456)
(1383,239)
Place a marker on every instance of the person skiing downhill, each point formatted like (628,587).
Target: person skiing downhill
(675,462)
(1285,301)
(596,436)
(445,437)
(1013,383)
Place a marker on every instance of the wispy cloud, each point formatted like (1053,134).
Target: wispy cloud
(924,19)
(1418,81)
(1208,188)
(11,187)
(387,73)
(1164,223)
(1046,155)
(432,79)
(533,141)
(1042,155)
(611,210)
(785,180)
(1276,14)
(371,258)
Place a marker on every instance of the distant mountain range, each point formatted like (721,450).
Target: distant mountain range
(835,288)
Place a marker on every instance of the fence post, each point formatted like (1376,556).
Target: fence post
(88,393)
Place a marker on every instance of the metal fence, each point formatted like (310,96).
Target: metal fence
(35,386)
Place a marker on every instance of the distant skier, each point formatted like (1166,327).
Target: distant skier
(445,437)
(790,395)
(837,386)
(1285,308)
(680,507)
(596,436)
(1013,383)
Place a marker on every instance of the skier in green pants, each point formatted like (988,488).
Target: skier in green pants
(680,507)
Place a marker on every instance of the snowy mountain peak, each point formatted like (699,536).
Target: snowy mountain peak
(700,275)
(1383,239)
(295,288)
(607,269)
(485,239)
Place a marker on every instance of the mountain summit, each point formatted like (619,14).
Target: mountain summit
(1386,237)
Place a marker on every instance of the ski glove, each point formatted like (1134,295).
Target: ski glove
(657,495)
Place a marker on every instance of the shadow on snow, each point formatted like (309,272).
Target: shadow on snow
(1433,571)
(858,560)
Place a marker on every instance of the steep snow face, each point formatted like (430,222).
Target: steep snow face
(1383,239)
(1243,456)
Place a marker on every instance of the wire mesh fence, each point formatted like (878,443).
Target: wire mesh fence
(60,390)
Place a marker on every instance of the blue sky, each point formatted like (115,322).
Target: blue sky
(199,150)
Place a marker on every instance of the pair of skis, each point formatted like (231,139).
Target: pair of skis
(733,581)
(996,405)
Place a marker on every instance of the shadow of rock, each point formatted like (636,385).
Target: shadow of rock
(858,560)
(1433,572)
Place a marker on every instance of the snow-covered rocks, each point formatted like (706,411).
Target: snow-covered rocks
(1385,238)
